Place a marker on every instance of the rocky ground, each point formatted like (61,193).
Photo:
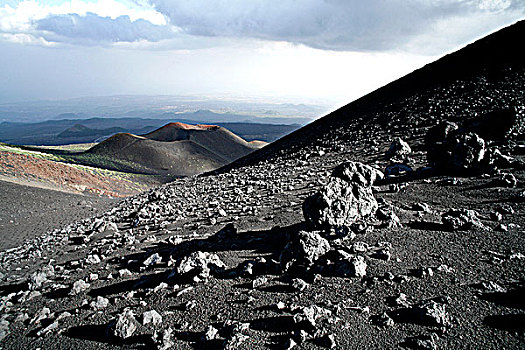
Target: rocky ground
(298,246)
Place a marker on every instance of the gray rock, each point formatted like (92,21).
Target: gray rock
(92,259)
(299,284)
(163,340)
(304,249)
(388,217)
(124,325)
(43,314)
(327,341)
(357,172)
(424,207)
(461,219)
(382,254)
(309,315)
(463,152)
(337,204)
(152,317)
(496,216)
(199,264)
(399,300)
(399,149)
(48,329)
(431,313)
(289,344)
(4,329)
(501,228)
(507,180)
(422,342)
(100,304)
(359,247)
(490,287)
(382,320)
(348,265)
(39,278)
(435,140)
(78,287)
(259,282)
(235,341)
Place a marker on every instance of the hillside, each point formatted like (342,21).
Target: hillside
(431,93)
(396,222)
(175,149)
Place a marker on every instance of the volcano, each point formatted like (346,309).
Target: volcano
(176,149)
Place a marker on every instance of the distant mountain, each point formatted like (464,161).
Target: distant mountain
(136,106)
(68,131)
(79,130)
(176,149)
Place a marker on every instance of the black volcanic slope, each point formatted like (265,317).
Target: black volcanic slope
(426,286)
(176,149)
(484,66)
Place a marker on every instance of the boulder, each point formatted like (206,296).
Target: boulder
(305,249)
(461,219)
(348,265)
(357,172)
(464,152)
(399,149)
(199,264)
(339,203)
(453,150)
(124,325)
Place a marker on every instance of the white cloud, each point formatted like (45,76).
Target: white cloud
(419,26)
(372,25)
(82,22)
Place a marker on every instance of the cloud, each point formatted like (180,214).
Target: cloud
(347,25)
(82,22)
(427,27)
(92,28)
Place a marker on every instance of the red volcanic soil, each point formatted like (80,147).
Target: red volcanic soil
(21,168)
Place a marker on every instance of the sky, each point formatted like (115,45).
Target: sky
(300,51)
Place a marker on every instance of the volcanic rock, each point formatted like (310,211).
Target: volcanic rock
(356,172)
(430,313)
(304,249)
(339,204)
(100,303)
(199,265)
(422,342)
(461,219)
(124,325)
(78,287)
(399,149)
(152,317)
(348,265)
(455,152)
